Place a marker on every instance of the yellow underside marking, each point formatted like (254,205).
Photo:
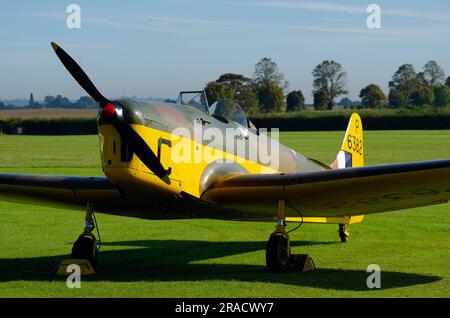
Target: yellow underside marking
(332,220)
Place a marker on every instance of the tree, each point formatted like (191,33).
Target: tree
(267,82)
(271,97)
(321,100)
(295,101)
(404,75)
(233,86)
(244,93)
(403,84)
(421,79)
(423,95)
(246,97)
(31,101)
(442,96)
(216,91)
(2,105)
(372,96)
(57,102)
(48,100)
(235,80)
(346,102)
(434,74)
(397,99)
(267,71)
(85,102)
(329,82)
(447,81)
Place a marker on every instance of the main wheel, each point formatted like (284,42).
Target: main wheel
(277,253)
(85,247)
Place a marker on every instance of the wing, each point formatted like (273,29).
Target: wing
(75,192)
(60,189)
(331,193)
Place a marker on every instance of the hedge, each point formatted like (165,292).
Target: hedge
(339,122)
(373,119)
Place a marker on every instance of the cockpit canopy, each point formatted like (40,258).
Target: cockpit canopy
(229,110)
(223,110)
(195,99)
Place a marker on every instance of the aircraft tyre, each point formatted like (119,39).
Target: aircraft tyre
(277,253)
(344,232)
(85,247)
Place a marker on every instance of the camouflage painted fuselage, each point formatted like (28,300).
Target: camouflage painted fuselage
(160,123)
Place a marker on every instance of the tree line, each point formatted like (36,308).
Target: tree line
(265,91)
(56,102)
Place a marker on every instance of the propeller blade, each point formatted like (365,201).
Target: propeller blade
(132,138)
(78,74)
(140,148)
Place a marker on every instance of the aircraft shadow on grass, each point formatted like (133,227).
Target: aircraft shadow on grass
(176,260)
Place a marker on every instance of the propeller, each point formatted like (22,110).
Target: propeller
(113,112)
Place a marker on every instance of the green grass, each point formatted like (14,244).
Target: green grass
(209,258)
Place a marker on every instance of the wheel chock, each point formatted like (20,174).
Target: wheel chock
(85,266)
(302,263)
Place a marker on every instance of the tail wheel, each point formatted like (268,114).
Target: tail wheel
(85,248)
(277,253)
(344,238)
(344,232)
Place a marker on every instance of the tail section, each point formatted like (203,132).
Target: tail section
(351,154)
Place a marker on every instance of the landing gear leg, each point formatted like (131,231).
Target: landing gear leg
(85,246)
(278,248)
(344,232)
(278,251)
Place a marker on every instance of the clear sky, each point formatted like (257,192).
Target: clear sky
(156,48)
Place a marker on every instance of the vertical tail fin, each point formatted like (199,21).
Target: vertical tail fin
(352,149)
(351,155)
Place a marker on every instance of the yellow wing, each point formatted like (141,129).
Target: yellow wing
(335,193)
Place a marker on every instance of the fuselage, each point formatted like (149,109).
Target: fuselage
(198,148)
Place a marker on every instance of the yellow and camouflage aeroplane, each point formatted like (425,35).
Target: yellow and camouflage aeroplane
(145,179)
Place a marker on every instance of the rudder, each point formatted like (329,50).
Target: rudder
(351,154)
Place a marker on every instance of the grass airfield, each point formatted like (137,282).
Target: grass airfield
(209,258)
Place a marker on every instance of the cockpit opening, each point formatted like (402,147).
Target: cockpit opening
(229,110)
(195,99)
(223,110)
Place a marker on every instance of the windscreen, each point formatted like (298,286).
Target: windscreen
(195,99)
(229,110)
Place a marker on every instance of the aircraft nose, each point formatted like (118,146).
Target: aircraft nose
(132,112)
(124,110)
